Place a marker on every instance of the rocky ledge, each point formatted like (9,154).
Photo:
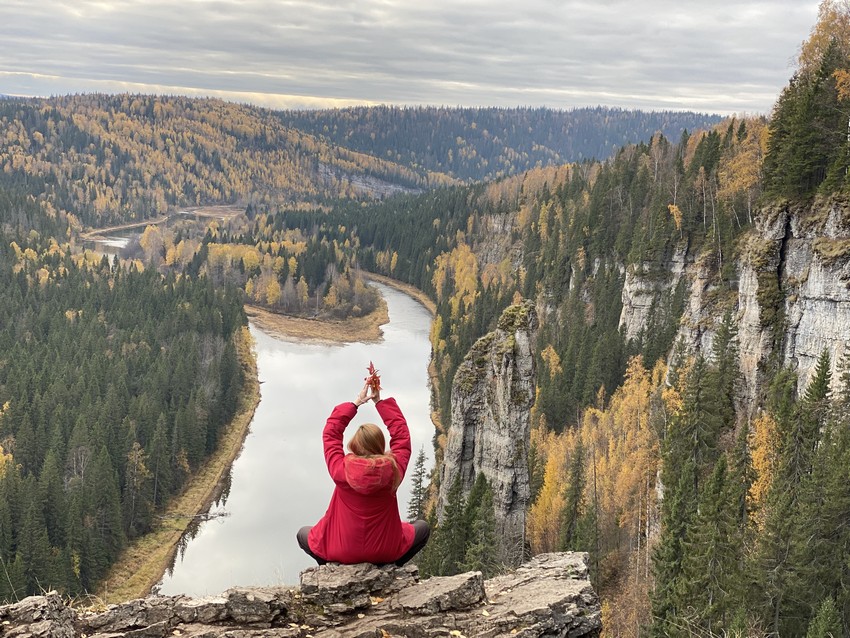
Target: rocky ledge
(548,596)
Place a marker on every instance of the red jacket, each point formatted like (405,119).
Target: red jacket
(362,524)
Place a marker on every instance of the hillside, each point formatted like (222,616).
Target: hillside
(691,377)
(484,144)
(110,159)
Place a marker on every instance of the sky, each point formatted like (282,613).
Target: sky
(724,56)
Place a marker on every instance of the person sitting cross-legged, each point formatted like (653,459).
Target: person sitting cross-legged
(362,522)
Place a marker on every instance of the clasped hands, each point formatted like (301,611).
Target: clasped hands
(366,394)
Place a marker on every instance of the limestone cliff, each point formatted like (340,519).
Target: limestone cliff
(548,596)
(792,299)
(492,396)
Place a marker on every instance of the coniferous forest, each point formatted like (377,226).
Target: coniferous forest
(707,508)
(115,384)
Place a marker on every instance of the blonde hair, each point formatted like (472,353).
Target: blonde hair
(368,442)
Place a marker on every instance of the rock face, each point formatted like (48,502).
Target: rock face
(805,253)
(642,289)
(548,596)
(492,396)
(792,298)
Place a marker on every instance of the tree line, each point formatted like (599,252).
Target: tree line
(486,144)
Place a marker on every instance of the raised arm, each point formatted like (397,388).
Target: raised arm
(332,439)
(399,433)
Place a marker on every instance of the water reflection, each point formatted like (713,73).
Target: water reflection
(280,482)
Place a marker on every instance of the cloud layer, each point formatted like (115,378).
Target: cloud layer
(726,56)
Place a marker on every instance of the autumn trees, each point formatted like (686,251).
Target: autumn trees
(109,159)
(114,384)
(810,128)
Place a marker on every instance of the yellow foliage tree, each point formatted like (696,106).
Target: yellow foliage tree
(764,446)
(5,461)
(833,25)
(273,292)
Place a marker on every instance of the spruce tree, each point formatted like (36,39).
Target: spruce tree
(573,502)
(481,542)
(418,489)
(451,532)
(709,586)
(34,547)
(827,622)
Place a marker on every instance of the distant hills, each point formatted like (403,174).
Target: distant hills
(108,159)
(481,144)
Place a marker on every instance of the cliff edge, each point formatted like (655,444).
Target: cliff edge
(548,596)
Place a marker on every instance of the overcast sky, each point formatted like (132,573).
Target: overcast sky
(724,56)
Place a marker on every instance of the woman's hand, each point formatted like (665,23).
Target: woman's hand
(363,397)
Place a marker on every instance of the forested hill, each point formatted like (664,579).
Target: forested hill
(481,144)
(109,159)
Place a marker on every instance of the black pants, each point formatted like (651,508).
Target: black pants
(421,533)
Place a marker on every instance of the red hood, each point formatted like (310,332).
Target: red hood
(368,475)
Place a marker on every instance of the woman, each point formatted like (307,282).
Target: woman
(362,524)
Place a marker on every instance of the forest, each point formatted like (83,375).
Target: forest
(486,144)
(115,383)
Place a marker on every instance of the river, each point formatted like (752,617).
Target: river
(280,482)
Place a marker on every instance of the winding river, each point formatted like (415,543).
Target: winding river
(279,482)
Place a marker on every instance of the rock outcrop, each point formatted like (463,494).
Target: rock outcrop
(643,286)
(548,596)
(492,396)
(795,278)
(792,300)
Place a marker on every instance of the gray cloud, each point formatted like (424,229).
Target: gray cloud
(726,56)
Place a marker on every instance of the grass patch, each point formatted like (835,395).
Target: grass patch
(831,250)
(361,329)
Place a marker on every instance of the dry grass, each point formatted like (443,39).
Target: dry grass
(832,251)
(143,563)
(361,329)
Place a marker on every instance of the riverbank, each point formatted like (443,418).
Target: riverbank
(145,560)
(361,329)
(410,291)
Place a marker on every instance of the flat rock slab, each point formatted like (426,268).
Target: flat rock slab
(548,596)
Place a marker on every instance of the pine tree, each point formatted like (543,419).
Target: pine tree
(481,542)
(104,508)
(678,509)
(34,546)
(574,501)
(52,495)
(827,622)
(450,541)
(709,586)
(418,489)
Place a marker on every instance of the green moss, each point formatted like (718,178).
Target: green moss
(516,317)
(831,250)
